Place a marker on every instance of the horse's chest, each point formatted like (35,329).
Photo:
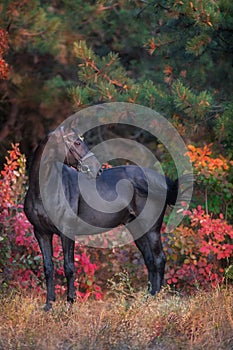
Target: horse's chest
(36,213)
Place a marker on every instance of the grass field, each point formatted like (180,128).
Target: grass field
(119,322)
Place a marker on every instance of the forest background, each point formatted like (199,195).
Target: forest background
(176,57)
(172,56)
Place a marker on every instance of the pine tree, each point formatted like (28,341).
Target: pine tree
(173,56)
(191,52)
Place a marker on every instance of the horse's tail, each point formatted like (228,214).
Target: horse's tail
(182,186)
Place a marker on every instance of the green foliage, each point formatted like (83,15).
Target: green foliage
(198,44)
(53,90)
(173,56)
(195,106)
(229,273)
(188,47)
(224,128)
(33,27)
(121,285)
(199,252)
(214,185)
(104,79)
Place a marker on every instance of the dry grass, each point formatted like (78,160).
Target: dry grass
(167,322)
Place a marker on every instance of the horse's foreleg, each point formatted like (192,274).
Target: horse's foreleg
(151,248)
(68,251)
(46,246)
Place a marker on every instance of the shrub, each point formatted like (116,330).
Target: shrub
(199,254)
(19,257)
(214,180)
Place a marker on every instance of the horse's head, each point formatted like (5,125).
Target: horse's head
(77,154)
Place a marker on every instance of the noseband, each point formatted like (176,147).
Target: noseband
(83,168)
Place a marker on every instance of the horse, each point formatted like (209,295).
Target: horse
(80,169)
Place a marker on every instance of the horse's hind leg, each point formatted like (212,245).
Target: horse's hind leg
(151,248)
(68,251)
(45,241)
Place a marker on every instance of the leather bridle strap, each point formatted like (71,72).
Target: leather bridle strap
(81,167)
(88,155)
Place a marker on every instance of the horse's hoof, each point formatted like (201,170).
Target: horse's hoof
(48,307)
(70,302)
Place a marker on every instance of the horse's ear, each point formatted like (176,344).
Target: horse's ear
(58,134)
(77,133)
(61,135)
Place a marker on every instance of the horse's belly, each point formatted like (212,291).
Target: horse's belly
(93,221)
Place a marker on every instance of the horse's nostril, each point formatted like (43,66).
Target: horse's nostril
(100,172)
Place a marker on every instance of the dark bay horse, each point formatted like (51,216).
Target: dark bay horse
(80,171)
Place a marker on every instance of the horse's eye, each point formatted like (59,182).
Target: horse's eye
(78,143)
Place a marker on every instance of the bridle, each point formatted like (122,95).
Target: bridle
(83,168)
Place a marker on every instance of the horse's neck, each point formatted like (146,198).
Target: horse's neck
(35,166)
(57,193)
(43,163)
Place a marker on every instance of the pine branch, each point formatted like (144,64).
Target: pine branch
(194,105)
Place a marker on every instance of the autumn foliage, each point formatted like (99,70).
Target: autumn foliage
(20,257)
(214,180)
(199,251)
(207,165)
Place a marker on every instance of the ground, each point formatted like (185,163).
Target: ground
(119,322)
